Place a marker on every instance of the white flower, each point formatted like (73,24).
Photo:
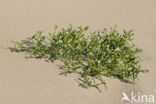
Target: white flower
(98,61)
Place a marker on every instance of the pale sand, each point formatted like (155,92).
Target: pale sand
(32,81)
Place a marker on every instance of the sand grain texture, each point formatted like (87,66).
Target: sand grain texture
(32,81)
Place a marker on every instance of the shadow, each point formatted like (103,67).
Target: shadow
(125,81)
(121,79)
(13,50)
(81,84)
(63,70)
(50,59)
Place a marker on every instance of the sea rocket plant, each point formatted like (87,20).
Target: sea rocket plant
(101,53)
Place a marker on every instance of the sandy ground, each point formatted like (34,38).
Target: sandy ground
(32,81)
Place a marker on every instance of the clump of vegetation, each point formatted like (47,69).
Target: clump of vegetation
(100,53)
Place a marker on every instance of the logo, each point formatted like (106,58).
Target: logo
(137,98)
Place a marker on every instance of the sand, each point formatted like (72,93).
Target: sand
(34,81)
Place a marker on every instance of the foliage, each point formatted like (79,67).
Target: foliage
(103,53)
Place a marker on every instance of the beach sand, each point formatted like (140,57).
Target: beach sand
(34,81)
